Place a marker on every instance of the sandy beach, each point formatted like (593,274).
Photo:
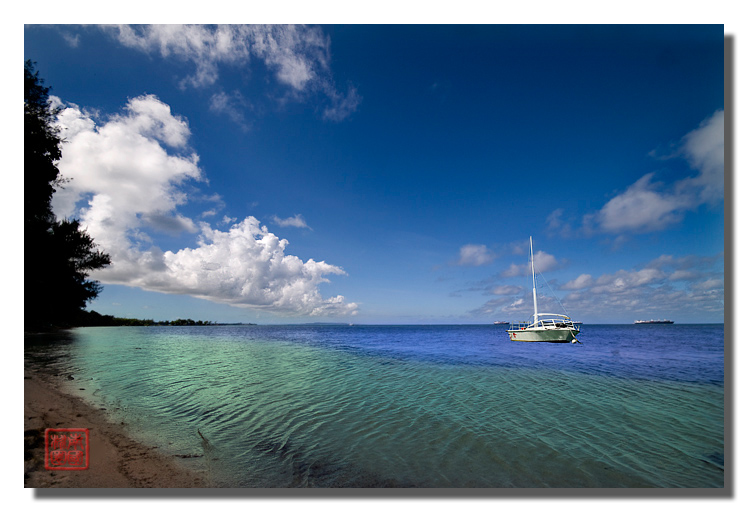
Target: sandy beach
(116,459)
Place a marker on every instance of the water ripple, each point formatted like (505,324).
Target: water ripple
(416,406)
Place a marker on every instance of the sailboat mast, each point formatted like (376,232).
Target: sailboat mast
(533,281)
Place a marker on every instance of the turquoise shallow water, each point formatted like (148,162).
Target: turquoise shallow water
(424,406)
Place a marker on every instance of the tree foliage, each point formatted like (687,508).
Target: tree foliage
(58,255)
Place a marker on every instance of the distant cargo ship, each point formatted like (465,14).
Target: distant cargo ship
(653,322)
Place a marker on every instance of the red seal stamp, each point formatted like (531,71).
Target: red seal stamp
(66,449)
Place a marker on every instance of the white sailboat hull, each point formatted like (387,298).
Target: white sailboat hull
(545,327)
(543,335)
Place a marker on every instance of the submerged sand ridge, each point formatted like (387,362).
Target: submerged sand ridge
(116,460)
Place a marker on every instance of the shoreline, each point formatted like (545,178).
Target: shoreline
(116,459)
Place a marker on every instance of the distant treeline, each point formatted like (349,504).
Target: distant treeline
(94,319)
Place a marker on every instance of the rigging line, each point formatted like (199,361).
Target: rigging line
(553,294)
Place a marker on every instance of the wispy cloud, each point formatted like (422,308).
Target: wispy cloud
(488,286)
(543,262)
(506,289)
(558,224)
(206,47)
(579,283)
(644,206)
(341,106)
(475,255)
(656,290)
(71,39)
(292,221)
(299,57)
(649,205)
(664,287)
(130,174)
(704,149)
(215,199)
(235,106)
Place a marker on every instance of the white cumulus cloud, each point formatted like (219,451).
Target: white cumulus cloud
(125,169)
(127,175)
(246,266)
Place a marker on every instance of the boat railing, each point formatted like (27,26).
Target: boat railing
(546,322)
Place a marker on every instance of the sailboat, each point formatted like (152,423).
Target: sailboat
(545,327)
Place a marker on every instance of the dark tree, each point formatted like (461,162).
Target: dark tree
(58,255)
(41,148)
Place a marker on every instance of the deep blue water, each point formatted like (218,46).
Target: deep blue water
(691,353)
(426,406)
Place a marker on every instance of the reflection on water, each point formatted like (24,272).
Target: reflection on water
(426,406)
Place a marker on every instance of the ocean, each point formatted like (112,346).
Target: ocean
(412,406)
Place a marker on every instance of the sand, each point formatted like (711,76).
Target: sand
(116,459)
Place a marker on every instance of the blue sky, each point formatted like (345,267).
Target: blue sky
(393,174)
